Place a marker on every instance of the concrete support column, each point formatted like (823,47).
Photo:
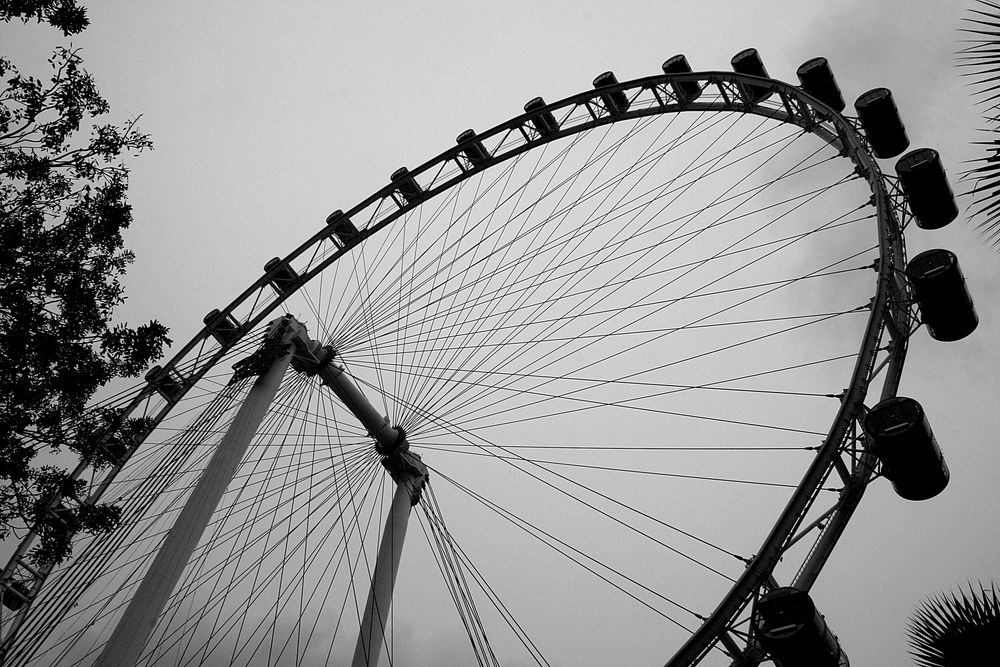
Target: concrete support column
(136,625)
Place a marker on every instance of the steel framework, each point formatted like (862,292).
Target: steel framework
(843,451)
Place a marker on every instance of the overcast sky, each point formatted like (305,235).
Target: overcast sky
(267,116)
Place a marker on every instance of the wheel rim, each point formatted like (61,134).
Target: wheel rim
(450,182)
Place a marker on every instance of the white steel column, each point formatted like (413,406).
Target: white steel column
(133,630)
(373,623)
(385,435)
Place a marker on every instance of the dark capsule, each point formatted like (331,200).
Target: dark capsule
(881,122)
(616,101)
(940,291)
(793,632)
(224,329)
(903,441)
(817,79)
(344,231)
(925,184)
(542,119)
(15,595)
(167,383)
(473,148)
(282,277)
(686,91)
(406,185)
(748,62)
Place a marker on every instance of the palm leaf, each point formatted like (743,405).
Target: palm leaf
(981,59)
(949,631)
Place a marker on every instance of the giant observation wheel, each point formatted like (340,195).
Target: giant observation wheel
(630,335)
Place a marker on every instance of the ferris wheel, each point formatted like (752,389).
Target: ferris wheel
(630,359)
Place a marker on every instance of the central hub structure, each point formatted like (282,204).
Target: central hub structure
(406,469)
(313,358)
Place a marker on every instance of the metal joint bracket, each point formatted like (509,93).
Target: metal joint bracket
(313,361)
(275,345)
(407,469)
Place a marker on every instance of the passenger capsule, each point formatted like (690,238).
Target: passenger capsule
(406,185)
(926,187)
(686,91)
(224,329)
(116,450)
(473,148)
(817,79)
(344,231)
(616,101)
(748,62)
(282,277)
(881,122)
(15,595)
(794,633)
(543,120)
(167,384)
(903,441)
(940,291)
(64,514)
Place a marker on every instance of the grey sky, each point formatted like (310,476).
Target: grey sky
(268,116)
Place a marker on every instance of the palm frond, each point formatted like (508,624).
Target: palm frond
(948,630)
(981,58)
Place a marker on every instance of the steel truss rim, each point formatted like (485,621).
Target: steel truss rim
(796,107)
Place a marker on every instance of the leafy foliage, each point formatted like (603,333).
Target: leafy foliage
(982,58)
(63,14)
(949,631)
(63,206)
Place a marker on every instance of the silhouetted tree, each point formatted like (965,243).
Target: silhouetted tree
(63,14)
(981,57)
(953,631)
(63,207)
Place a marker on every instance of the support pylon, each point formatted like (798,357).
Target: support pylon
(407,471)
(133,630)
(410,475)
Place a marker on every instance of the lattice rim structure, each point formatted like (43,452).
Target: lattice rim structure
(844,449)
